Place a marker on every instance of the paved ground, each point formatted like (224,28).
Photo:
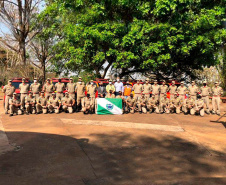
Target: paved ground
(90,150)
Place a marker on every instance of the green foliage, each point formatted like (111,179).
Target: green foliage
(136,36)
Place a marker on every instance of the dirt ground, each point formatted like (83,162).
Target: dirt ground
(63,150)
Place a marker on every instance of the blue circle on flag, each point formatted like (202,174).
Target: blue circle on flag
(109,106)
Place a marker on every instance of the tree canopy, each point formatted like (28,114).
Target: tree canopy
(161,36)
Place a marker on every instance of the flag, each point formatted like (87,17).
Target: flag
(109,106)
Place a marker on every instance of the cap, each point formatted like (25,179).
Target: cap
(14,93)
(163,81)
(192,81)
(110,80)
(155,81)
(91,80)
(147,79)
(216,82)
(35,78)
(204,81)
(71,78)
(66,92)
(9,80)
(182,82)
(80,77)
(53,93)
(48,78)
(23,78)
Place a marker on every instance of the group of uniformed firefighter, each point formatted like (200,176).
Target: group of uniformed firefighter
(141,98)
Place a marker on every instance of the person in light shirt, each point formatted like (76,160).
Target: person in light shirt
(110,86)
(118,87)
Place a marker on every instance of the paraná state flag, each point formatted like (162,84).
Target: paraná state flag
(109,106)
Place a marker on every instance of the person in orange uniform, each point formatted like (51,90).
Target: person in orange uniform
(127,90)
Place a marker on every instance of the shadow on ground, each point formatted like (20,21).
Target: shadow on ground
(111,159)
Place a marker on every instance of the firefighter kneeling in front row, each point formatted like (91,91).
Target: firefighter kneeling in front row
(30,103)
(199,106)
(87,105)
(14,105)
(152,105)
(54,104)
(142,104)
(130,104)
(67,102)
(41,104)
(189,105)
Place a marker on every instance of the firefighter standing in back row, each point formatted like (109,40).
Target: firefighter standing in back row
(8,90)
(80,90)
(35,88)
(60,87)
(217,92)
(163,89)
(155,90)
(193,90)
(138,88)
(92,89)
(172,89)
(71,90)
(181,91)
(48,88)
(205,92)
(147,88)
(24,88)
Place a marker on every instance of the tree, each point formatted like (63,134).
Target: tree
(17,15)
(167,37)
(41,45)
(221,67)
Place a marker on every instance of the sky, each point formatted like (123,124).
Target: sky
(4,29)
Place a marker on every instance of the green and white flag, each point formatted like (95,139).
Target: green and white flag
(109,106)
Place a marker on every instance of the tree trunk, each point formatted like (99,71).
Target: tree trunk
(106,69)
(44,73)
(23,52)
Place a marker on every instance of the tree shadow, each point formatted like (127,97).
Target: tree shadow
(117,158)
